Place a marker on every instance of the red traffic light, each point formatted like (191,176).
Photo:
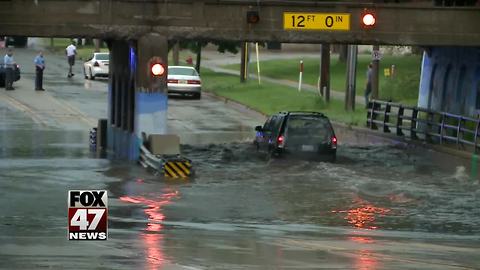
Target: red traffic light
(368,19)
(157,69)
(253,17)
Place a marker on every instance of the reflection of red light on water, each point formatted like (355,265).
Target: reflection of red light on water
(154,211)
(154,252)
(365,216)
(152,240)
(361,239)
(365,260)
(129,199)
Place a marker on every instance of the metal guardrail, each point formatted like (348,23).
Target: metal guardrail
(174,166)
(424,124)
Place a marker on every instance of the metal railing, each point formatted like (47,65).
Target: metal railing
(424,124)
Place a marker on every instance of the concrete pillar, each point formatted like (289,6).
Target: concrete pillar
(137,101)
(120,137)
(151,94)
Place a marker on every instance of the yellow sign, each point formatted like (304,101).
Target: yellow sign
(316,21)
(386,72)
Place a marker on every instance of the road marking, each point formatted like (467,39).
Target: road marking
(73,110)
(22,107)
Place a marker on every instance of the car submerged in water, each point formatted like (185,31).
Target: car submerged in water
(303,134)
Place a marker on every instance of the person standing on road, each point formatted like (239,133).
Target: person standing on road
(71,51)
(368,86)
(9,70)
(39,67)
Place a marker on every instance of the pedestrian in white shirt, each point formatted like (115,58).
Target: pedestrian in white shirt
(71,51)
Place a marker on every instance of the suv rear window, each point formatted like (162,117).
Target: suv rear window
(302,125)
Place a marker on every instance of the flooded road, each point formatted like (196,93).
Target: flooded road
(381,206)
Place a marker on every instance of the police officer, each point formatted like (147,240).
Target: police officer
(39,67)
(9,70)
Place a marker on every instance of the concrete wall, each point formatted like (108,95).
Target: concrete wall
(450,80)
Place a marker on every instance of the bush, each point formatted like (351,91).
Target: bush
(402,87)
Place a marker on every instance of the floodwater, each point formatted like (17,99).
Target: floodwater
(380,206)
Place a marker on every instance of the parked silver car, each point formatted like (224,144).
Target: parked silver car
(96,66)
(184,80)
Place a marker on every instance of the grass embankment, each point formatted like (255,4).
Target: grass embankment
(403,87)
(270,98)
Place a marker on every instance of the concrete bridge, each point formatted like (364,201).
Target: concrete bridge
(138,31)
(410,23)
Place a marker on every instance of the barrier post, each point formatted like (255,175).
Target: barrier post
(300,76)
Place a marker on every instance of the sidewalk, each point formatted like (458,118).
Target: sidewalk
(216,60)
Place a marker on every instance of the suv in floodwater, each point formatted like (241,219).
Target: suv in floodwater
(303,134)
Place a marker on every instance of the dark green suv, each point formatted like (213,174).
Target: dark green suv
(302,134)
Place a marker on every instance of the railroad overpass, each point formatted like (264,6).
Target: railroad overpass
(410,23)
(139,30)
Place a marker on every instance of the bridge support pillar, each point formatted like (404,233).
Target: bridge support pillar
(136,105)
(450,80)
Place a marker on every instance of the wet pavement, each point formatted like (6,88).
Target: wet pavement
(381,206)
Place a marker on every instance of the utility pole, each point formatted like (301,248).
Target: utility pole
(375,70)
(97,42)
(244,62)
(176,53)
(325,72)
(351,78)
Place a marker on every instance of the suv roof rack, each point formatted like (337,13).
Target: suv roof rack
(304,112)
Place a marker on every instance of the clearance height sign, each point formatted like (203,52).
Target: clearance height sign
(316,21)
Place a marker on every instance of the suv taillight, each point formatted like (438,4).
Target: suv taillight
(281,141)
(334,142)
(96,64)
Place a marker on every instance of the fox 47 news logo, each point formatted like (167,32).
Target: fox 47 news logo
(87,215)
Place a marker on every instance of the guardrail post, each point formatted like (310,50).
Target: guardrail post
(400,120)
(460,120)
(386,118)
(476,137)
(373,115)
(369,114)
(428,137)
(413,124)
(442,126)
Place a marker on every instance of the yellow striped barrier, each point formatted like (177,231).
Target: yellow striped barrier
(178,168)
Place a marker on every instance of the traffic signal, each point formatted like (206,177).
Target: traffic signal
(253,17)
(368,19)
(157,70)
